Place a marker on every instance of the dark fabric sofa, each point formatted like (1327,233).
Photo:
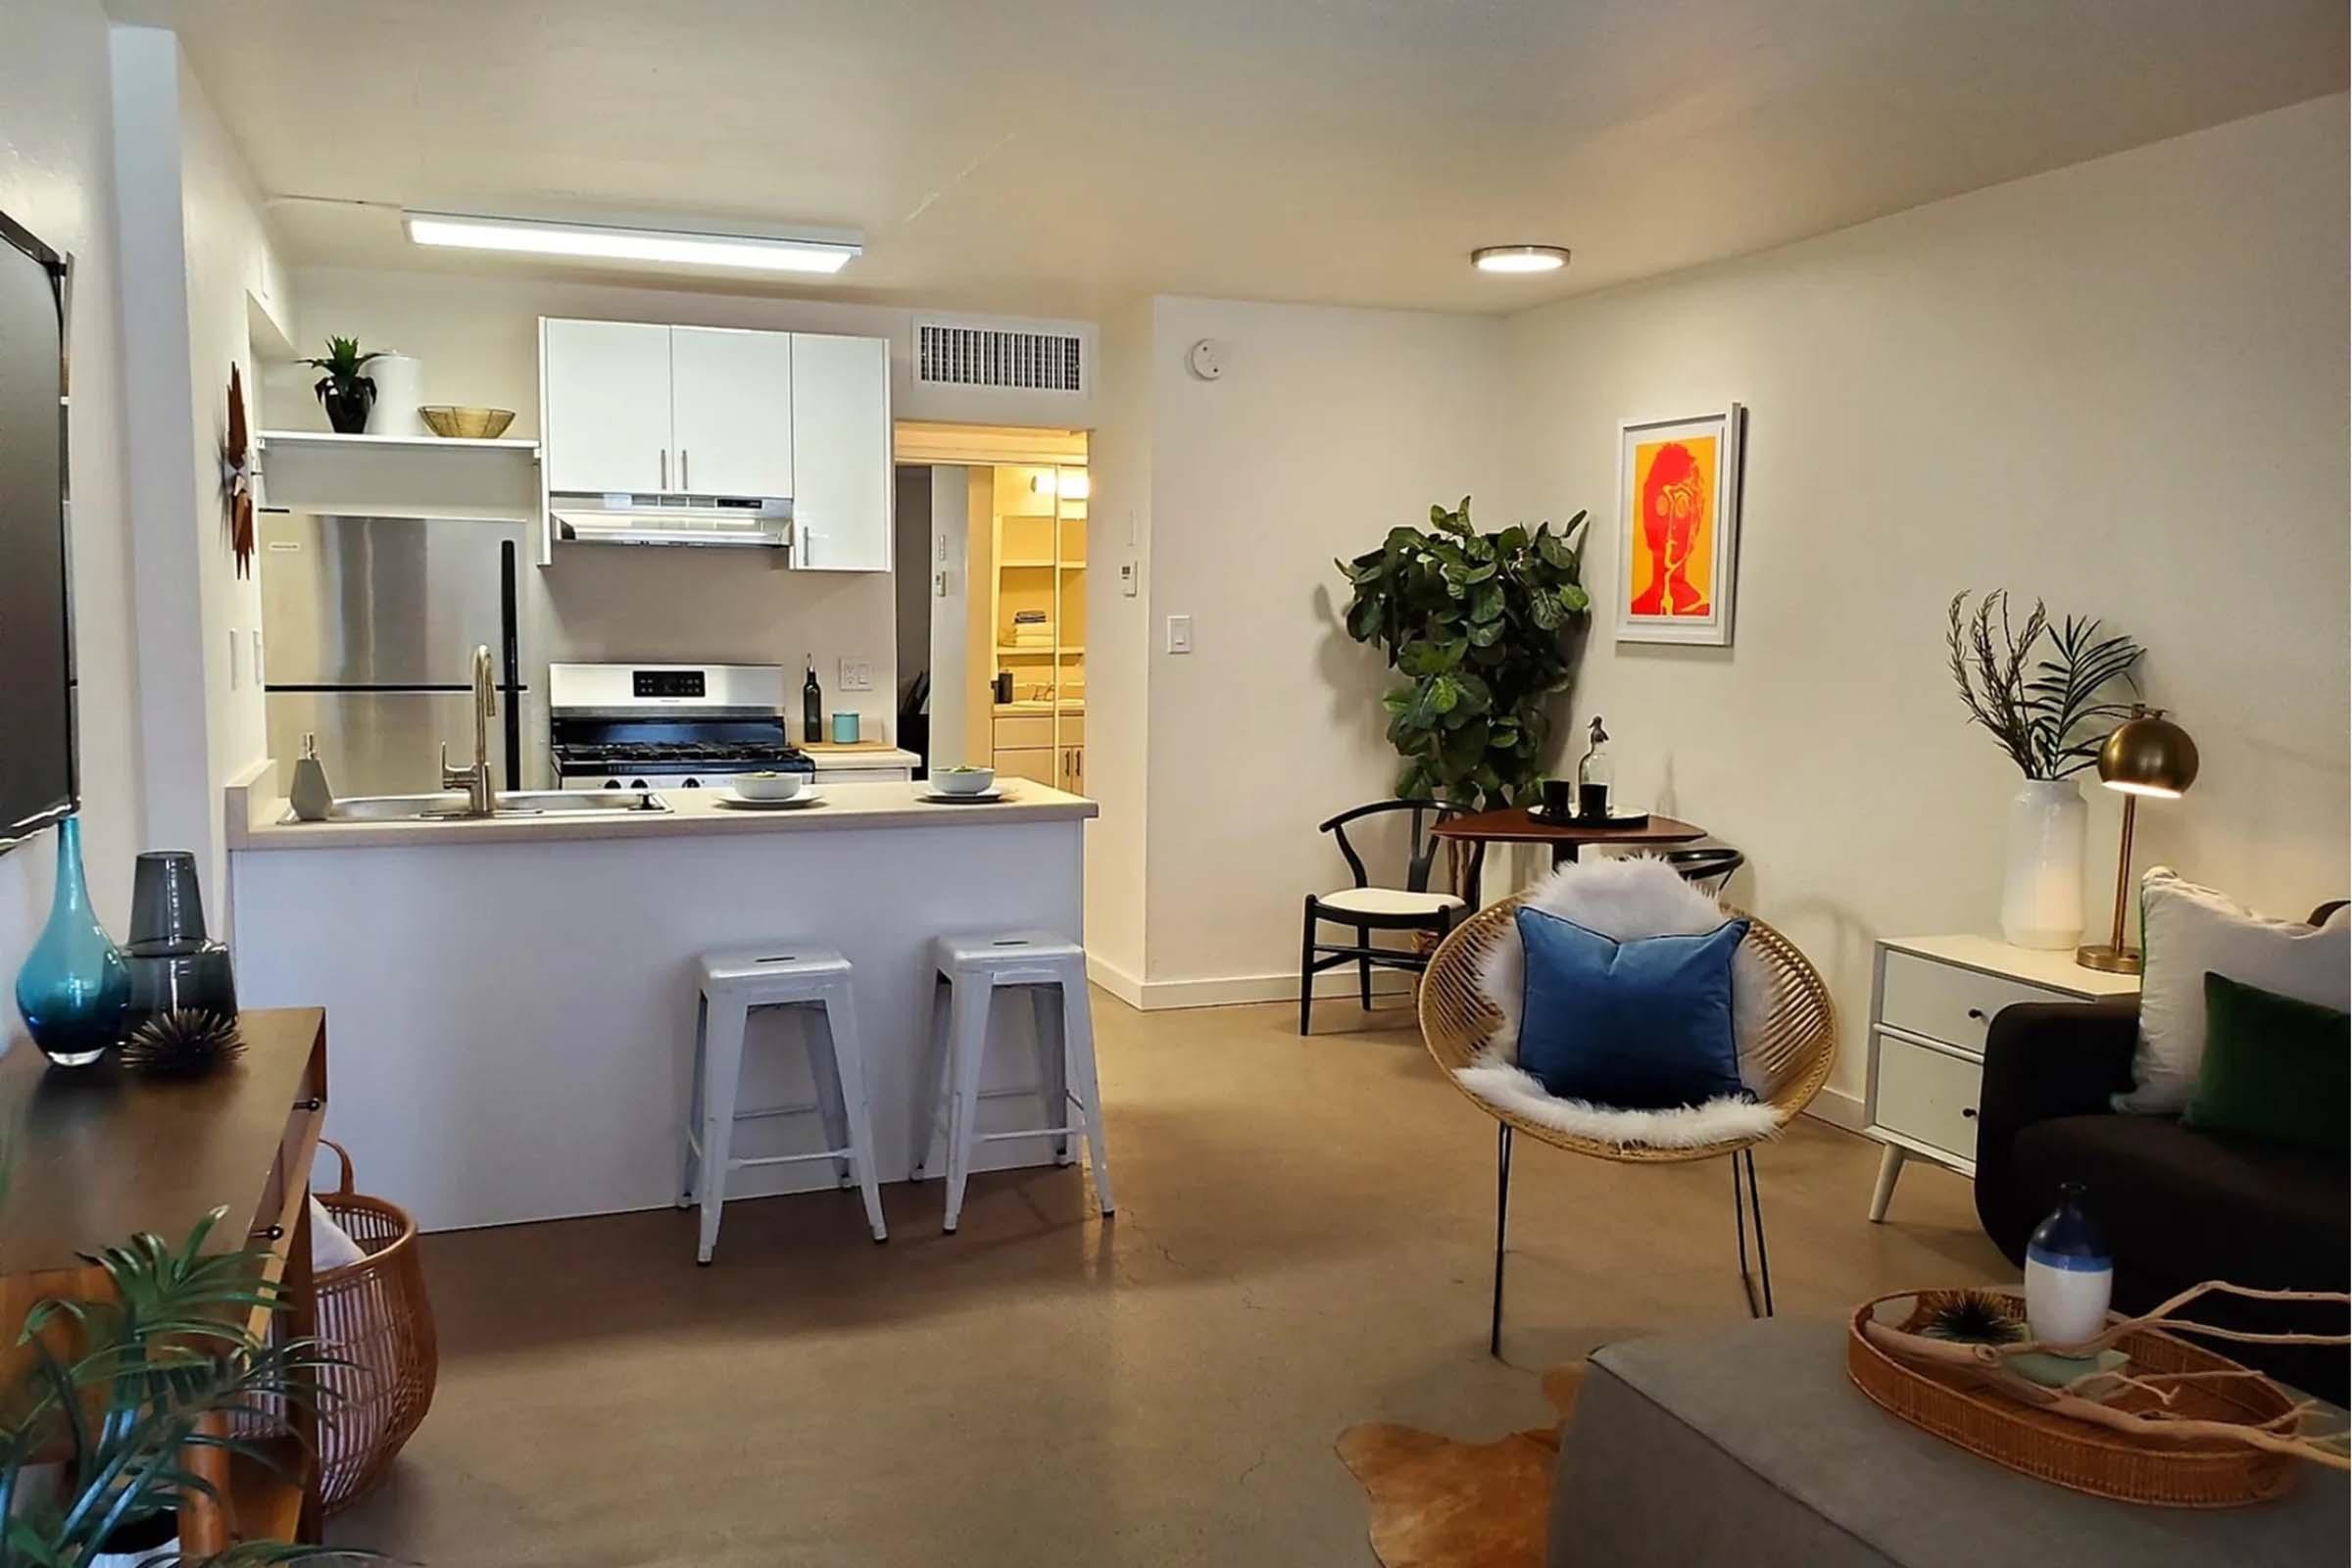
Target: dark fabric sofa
(2177,1206)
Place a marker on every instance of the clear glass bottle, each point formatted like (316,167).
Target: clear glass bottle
(1594,776)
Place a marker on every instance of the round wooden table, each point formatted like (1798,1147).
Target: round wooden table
(1516,824)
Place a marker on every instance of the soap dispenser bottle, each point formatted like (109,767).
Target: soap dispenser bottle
(813,706)
(313,799)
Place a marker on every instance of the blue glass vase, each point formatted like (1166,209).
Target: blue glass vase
(74,989)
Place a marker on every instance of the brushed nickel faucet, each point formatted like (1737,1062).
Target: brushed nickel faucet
(480,799)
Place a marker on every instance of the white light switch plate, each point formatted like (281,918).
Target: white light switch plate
(1180,634)
(1127,578)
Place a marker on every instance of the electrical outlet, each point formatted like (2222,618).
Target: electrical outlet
(857,675)
(1180,634)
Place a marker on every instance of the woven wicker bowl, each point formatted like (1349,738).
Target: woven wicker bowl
(1800,1030)
(1964,1408)
(465,424)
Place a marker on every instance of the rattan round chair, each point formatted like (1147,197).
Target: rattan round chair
(1799,1042)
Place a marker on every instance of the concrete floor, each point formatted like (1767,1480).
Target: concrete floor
(1303,1243)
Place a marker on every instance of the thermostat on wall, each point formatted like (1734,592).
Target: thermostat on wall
(1207,359)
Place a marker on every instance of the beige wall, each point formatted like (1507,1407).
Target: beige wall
(1327,428)
(2119,386)
(57,179)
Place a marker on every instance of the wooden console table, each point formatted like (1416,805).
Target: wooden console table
(99,1156)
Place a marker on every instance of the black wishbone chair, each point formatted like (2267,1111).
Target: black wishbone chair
(1368,907)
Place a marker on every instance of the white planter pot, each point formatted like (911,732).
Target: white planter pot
(398,388)
(2041,889)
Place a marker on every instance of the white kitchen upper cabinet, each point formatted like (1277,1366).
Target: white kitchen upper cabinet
(604,416)
(731,413)
(841,453)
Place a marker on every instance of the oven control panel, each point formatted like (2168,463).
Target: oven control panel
(670,683)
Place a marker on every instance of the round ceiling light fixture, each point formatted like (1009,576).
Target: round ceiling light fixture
(1519,258)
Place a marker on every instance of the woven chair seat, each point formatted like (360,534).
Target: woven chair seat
(1799,1044)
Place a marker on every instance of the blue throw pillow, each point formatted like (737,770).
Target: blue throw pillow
(1643,1024)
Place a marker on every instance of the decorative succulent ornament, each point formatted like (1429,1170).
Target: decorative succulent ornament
(1970,1317)
(185,1043)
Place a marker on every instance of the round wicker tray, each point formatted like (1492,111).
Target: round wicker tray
(1965,1408)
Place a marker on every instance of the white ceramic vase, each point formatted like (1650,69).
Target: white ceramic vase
(2041,889)
(398,388)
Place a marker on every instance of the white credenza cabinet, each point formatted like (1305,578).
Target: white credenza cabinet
(1933,1002)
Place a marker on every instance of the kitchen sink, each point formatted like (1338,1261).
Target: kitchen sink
(449,806)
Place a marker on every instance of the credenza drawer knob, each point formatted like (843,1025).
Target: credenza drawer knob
(1969,1112)
(270,1233)
(1977,1013)
(311,1104)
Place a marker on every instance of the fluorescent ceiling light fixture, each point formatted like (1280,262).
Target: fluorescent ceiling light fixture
(1519,258)
(751,253)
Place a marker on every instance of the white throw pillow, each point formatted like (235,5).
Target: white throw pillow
(331,1246)
(2187,931)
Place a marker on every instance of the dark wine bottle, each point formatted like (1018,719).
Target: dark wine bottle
(813,706)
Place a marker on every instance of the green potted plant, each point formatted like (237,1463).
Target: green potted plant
(95,1436)
(1483,630)
(2047,694)
(345,391)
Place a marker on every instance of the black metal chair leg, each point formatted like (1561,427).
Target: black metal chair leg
(1502,1210)
(1363,969)
(1740,1211)
(1306,970)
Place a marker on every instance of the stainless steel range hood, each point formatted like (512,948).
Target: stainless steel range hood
(758,521)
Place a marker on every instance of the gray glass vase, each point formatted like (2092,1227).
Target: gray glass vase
(174,964)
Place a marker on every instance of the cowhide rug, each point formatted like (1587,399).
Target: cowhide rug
(1439,1503)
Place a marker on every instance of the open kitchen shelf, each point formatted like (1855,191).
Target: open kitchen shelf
(399,475)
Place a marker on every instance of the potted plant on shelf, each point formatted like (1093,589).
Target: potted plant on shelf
(345,391)
(96,1434)
(2049,710)
(1483,630)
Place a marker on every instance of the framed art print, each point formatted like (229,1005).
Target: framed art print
(1678,528)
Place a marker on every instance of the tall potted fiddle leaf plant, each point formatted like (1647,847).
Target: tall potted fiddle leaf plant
(2047,694)
(1482,630)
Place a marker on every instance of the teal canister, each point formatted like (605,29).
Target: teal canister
(845,728)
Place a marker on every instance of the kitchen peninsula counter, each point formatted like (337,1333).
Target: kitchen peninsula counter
(514,998)
(259,817)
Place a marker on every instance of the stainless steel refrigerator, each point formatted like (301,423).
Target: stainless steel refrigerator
(368,627)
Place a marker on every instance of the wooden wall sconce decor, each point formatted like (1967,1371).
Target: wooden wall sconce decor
(236,476)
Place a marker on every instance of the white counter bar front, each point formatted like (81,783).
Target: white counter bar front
(512,1002)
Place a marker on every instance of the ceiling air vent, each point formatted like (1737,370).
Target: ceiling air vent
(949,353)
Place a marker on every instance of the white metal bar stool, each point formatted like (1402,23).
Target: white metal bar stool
(814,982)
(970,971)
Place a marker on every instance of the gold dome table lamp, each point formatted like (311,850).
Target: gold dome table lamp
(2147,755)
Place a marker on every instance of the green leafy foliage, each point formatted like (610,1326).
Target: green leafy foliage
(122,1390)
(343,364)
(1479,629)
(2050,710)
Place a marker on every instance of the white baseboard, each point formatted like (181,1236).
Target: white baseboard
(1226,991)
(1838,1110)
(1115,980)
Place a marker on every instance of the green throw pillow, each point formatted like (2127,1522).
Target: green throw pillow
(2274,1067)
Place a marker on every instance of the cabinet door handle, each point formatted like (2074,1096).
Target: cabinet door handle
(1977,1013)
(1968,1114)
(685,482)
(665,467)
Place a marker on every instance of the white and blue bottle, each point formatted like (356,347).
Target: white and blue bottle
(2070,1275)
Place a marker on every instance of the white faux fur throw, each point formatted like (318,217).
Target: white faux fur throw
(1623,898)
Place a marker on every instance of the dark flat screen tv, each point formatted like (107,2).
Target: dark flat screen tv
(38,783)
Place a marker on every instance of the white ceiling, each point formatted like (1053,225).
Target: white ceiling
(1054,156)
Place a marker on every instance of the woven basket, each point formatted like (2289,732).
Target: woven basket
(1965,1408)
(373,1317)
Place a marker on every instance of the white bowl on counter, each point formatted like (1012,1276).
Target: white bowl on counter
(766,786)
(963,780)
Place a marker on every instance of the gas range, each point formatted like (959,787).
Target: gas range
(668,727)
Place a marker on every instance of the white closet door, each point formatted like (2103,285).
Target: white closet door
(730,403)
